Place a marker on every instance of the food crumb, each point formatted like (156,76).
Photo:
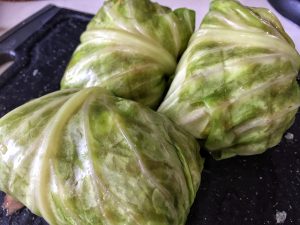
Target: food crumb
(280,217)
(289,136)
(35,72)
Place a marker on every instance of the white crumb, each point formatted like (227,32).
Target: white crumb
(289,136)
(280,217)
(35,72)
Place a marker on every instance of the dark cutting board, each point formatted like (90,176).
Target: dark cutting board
(237,191)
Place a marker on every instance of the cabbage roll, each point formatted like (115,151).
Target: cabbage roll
(235,86)
(90,158)
(131,48)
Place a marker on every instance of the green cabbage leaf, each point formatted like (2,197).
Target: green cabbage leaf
(90,158)
(131,47)
(235,86)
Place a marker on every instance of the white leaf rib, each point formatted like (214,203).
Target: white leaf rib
(139,28)
(255,89)
(188,20)
(233,22)
(262,40)
(117,19)
(263,121)
(139,43)
(39,175)
(124,72)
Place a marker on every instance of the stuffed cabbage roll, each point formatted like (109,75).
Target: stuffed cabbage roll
(235,85)
(88,157)
(131,47)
